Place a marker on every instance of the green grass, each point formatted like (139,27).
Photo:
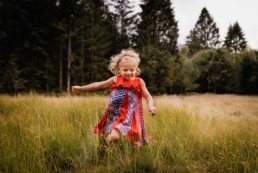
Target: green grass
(199,133)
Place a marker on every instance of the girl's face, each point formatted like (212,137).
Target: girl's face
(127,68)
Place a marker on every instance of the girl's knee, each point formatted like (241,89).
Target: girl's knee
(138,144)
(113,136)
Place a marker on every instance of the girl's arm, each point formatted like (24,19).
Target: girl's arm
(148,97)
(94,86)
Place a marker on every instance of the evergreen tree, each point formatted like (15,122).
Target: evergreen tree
(158,26)
(125,21)
(11,82)
(204,35)
(235,40)
(70,11)
(193,43)
(94,43)
(27,37)
(46,42)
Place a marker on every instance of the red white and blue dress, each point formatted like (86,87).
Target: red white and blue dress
(124,111)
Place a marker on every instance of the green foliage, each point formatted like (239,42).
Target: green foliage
(190,73)
(157,69)
(235,40)
(11,81)
(193,43)
(249,73)
(216,72)
(45,45)
(94,39)
(28,37)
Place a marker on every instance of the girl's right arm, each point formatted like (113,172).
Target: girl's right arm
(148,97)
(94,86)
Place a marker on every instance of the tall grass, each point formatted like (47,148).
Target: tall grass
(197,133)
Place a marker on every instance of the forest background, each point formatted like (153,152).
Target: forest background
(47,46)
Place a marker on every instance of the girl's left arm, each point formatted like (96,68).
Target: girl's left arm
(148,97)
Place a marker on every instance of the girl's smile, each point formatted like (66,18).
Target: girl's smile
(127,68)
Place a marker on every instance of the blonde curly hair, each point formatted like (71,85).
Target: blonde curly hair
(116,60)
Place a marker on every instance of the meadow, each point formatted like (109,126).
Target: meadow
(192,133)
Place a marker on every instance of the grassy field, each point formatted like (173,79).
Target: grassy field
(195,133)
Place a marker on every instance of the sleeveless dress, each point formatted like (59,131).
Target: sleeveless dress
(124,111)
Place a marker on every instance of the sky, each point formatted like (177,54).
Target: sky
(224,14)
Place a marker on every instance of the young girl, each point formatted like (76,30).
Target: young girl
(123,114)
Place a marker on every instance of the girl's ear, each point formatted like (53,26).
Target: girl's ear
(138,71)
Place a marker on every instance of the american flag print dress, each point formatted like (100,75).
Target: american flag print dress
(124,111)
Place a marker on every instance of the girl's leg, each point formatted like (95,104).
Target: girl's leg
(113,136)
(138,144)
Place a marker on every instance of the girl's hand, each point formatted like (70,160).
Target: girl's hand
(75,89)
(152,110)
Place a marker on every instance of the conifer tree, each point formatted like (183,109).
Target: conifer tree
(193,43)
(94,40)
(158,26)
(125,21)
(204,35)
(235,40)
(27,36)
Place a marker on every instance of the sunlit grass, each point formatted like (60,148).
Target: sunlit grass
(195,133)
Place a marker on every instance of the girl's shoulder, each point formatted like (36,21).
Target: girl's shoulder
(141,81)
(114,79)
(139,78)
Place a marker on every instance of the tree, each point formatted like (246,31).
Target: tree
(188,73)
(125,21)
(216,71)
(11,82)
(235,40)
(193,43)
(94,43)
(71,11)
(204,35)
(157,67)
(27,36)
(158,26)
(249,72)
(42,41)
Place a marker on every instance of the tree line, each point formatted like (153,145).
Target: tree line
(46,46)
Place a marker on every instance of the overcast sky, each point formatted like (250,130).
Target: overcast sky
(223,12)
